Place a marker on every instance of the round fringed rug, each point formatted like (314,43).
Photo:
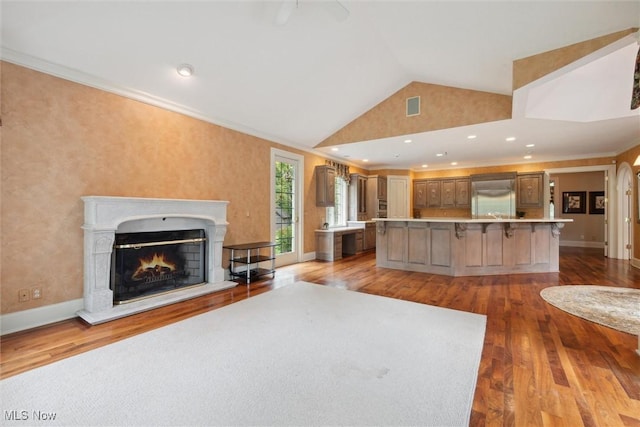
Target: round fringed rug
(617,308)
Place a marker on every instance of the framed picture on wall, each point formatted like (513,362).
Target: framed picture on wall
(596,202)
(574,202)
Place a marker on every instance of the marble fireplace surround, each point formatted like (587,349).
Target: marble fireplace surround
(105,216)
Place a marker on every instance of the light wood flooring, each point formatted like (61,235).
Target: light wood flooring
(540,366)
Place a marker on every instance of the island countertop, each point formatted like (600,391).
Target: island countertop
(476,220)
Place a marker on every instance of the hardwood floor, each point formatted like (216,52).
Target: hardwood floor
(540,366)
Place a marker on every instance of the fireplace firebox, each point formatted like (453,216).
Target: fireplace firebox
(146,264)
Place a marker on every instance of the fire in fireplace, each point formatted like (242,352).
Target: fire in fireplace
(149,263)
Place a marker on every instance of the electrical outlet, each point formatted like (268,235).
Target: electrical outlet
(36,293)
(23,295)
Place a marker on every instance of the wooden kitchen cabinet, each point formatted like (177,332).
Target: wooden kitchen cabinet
(448,199)
(382,187)
(456,193)
(325,186)
(530,190)
(442,193)
(358,198)
(369,241)
(419,194)
(463,193)
(334,244)
(368,233)
(434,191)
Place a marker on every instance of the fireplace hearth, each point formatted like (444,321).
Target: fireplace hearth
(143,223)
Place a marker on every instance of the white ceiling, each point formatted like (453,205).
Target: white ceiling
(300,82)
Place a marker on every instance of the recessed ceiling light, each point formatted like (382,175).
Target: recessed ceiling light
(471,137)
(439,155)
(407,141)
(454,163)
(425,166)
(185,70)
(511,138)
(530,145)
(365,160)
(334,149)
(528,156)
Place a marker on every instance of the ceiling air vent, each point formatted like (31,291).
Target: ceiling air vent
(413,106)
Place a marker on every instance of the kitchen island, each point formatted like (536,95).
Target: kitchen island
(469,247)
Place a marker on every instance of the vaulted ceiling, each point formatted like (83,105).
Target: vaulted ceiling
(301,79)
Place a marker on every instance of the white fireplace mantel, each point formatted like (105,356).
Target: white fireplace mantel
(106,216)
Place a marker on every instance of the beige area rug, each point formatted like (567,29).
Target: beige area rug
(300,355)
(617,308)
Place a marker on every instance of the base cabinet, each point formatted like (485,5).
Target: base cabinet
(332,245)
(368,233)
(468,249)
(369,240)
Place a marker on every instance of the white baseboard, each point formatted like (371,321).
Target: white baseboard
(32,318)
(635,262)
(308,256)
(581,244)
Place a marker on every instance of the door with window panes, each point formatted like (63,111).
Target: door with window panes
(286,220)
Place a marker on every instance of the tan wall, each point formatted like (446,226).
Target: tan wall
(522,168)
(585,227)
(531,68)
(442,107)
(63,140)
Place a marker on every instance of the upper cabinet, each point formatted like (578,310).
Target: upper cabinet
(376,196)
(382,187)
(358,198)
(530,190)
(441,193)
(419,194)
(434,188)
(456,193)
(325,186)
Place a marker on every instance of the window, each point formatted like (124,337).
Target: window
(284,198)
(337,215)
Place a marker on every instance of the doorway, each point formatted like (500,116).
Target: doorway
(286,200)
(625,213)
(610,217)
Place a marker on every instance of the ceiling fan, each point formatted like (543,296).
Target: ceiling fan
(287,7)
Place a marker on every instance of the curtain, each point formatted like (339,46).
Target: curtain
(635,93)
(342,170)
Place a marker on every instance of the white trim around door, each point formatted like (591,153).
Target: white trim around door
(296,254)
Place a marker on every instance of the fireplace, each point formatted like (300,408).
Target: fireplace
(178,244)
(151,263)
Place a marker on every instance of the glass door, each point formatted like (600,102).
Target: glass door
(286,219)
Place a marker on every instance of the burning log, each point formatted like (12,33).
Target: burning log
(154,266)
